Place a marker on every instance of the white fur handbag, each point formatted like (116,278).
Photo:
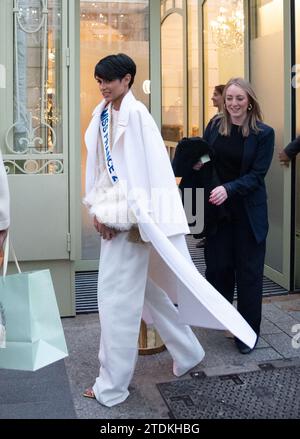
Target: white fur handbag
(109,204)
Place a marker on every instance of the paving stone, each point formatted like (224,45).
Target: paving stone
(288,305)
(275,314)
(291,307)
(261,344)
(44,394)
(282,343)
(287,327)
(230,369)
(287,362)
(295,315)
(268,327)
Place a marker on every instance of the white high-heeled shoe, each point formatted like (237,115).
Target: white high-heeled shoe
(183,369)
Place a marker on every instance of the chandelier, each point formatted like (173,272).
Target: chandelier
(228,28)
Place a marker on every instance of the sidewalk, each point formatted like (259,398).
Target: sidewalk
(55,392)
(274,348)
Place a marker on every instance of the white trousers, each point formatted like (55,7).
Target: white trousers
(123,286)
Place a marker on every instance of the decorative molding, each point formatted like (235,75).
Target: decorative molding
(33,167)
(17,10)
(30,143)
(31,140)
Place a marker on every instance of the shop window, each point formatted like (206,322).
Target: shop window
(296,84)
(173,77)
(180,75)
(35,134)
(194,82)
(223,47)
(267,77)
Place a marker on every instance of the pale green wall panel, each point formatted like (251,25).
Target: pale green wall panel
(62,273)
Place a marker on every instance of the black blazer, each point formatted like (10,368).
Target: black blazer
(293,148)
(257,158)
(187,154)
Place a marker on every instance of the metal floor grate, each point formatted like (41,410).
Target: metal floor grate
(86,282)
(264,394)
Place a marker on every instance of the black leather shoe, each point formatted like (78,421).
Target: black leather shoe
(242,347)
(201,243)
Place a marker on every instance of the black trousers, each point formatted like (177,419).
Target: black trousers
(232,256)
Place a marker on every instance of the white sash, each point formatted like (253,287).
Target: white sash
(105,131)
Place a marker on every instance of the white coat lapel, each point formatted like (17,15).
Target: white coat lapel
(91,135)
(127,101)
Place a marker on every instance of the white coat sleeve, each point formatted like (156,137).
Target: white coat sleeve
(4,197)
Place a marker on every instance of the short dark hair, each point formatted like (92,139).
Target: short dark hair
(220,88)
(114,67)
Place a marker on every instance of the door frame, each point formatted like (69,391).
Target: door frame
(284,278)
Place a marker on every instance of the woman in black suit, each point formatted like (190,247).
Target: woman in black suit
(242,153)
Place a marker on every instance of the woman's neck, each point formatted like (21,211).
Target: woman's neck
(238,120)
(116,104)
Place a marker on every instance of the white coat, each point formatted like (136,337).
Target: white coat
(4,197)
(140,159)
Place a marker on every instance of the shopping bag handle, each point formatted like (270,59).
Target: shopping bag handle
(8,245)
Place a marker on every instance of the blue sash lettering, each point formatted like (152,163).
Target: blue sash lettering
(105,135)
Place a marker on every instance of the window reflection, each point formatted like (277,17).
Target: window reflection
(37,79)
(180,71)
(173,84)
(297,255)
(265,35)
(223,47)
(193,69)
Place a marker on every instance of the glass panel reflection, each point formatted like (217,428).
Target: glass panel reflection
(172,78)
(265,35)
(223,38)
(193,69)
(37,78)
(297,255)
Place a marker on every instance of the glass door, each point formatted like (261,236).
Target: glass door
(34,120)
(180,73)
(108,28)
(268,70)
(174,72)
(223,47)
(297,116)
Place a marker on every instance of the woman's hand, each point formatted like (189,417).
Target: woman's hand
(284,158)
(218,195)
(198,166)
(3,234)
(104,231)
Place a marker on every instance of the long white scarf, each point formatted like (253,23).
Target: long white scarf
(105,131)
